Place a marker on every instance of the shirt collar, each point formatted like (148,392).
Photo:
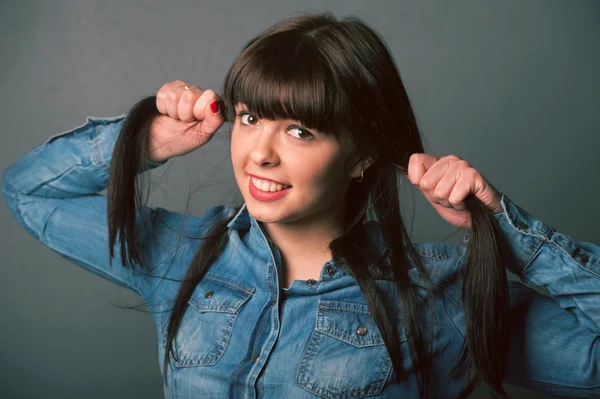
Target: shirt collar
(244,221)
(241,220)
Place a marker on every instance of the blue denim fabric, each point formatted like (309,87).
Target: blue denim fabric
(245,336)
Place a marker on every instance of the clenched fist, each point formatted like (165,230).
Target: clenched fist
(447,181)
(190,117)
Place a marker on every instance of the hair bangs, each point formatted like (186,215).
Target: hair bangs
(275,80)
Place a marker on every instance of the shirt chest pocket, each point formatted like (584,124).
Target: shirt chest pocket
(345,356)
(204,332)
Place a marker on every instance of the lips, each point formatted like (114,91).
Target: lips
(266,196)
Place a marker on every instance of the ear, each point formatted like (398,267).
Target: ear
(360,165)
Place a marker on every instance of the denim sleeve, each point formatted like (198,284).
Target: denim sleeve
(554,340)
(52,192)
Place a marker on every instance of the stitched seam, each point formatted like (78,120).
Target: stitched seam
(97,159)
(555,245)
(228,282)
(344,336)
(526,232)
(535,251)
(342,308)
(240,367)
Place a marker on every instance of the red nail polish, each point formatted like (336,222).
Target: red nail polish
(214,106)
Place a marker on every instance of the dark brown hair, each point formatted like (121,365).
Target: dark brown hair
(339,77)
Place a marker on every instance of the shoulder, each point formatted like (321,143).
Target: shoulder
(188,223)
(174,232)
(441,259)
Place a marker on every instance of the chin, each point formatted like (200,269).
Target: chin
(263,212)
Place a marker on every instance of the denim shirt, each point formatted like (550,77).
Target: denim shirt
(245,336)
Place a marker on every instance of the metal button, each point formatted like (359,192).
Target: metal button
(582,257)
(254,358)
(522,225)
(208,294)
(330,270)
(362,331)
(310,281)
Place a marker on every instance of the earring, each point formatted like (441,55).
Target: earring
(361,177)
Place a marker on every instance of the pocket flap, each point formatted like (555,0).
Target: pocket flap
(349,322)
(216,293)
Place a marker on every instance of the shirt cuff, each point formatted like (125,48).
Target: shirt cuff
(523,232)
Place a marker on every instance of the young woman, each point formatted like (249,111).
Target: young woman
(312,288)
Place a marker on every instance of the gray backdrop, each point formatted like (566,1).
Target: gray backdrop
(512,87)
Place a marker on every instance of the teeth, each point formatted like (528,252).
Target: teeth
(264,185)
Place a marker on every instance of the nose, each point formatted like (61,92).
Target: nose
(264,152)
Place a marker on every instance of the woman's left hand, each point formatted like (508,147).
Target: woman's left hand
(447,181)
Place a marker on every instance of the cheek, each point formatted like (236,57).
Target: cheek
(323,173)
(238,154)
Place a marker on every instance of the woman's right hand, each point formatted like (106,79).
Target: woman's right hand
(188,121)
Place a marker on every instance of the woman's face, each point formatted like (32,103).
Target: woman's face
(283,150)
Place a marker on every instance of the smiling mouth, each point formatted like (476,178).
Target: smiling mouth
(268,186)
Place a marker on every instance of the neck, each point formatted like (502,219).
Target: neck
(304,246)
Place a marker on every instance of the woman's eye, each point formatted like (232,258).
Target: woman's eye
(301,132)
(250,120)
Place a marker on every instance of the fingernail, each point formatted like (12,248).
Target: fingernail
(214,106)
